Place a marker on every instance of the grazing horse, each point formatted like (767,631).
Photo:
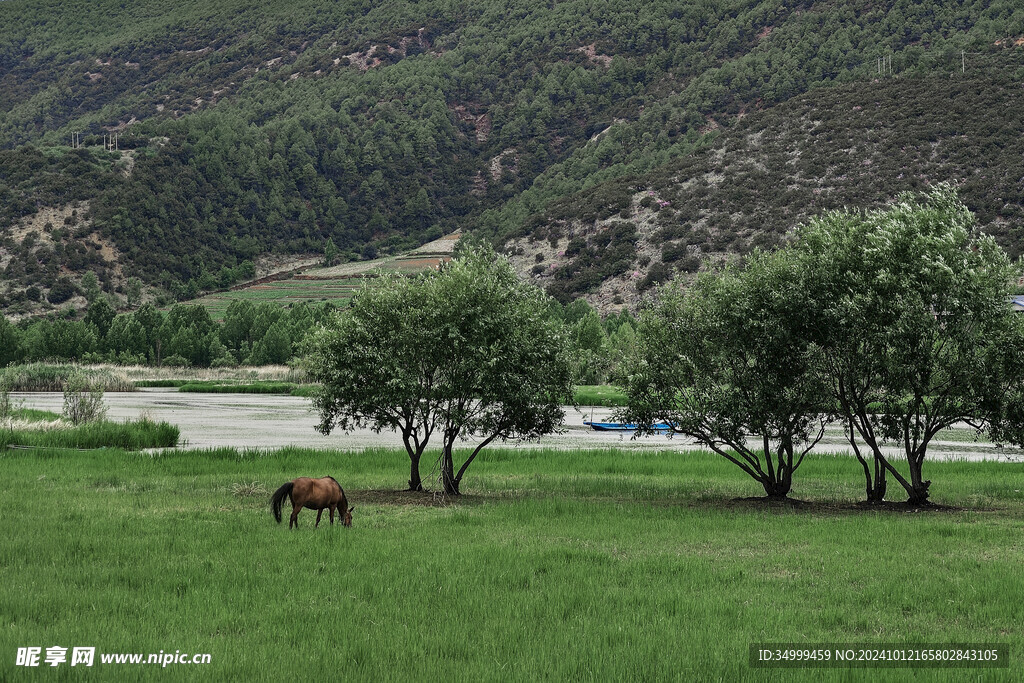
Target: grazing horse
(315,494)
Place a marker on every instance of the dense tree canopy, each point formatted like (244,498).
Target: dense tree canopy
(729,363)
(896,320)
(378,366)
(469,351)
(917,330)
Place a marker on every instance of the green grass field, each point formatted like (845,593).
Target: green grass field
(337,284)
(337,288)
(556,565)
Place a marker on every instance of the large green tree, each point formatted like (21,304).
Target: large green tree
(916,330)
(468,351)
(376,364)
(505,365)
(729,364)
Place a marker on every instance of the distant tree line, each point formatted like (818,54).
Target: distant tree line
(251,334)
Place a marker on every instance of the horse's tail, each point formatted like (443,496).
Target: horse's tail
(277,499)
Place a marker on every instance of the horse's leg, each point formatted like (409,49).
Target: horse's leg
(318,513)
(295,517)
(332,514)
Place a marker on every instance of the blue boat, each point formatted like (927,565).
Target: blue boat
(623,427)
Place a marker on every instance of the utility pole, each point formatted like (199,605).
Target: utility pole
(963,62)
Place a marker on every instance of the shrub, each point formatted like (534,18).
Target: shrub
(83,403)
(657,274)
(673,251)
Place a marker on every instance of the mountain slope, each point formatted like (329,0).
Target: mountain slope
(855,146)
(271,127)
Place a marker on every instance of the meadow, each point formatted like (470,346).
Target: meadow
(556,565)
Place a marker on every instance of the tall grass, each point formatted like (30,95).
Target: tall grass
(129,436)
(271,373)
(55,376)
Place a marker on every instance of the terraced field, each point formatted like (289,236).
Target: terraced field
(284,292)
(337,284)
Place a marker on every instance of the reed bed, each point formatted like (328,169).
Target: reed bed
(264,373)
(55,376)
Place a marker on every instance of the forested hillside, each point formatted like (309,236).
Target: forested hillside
(248,128)
(854,145)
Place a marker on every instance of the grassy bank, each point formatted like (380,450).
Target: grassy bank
(160,383)
(219,387)
(285,388)
(600,395)
(33,415)
(555,565)
(134,435)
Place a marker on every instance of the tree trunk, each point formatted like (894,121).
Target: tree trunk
(415,484)
(779,483)
(874,486)
(778,490)
(917,493)
(876,492)
(448,480)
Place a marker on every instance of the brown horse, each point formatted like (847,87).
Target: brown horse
(315,494)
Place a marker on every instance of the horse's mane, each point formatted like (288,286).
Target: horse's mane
(333,479)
